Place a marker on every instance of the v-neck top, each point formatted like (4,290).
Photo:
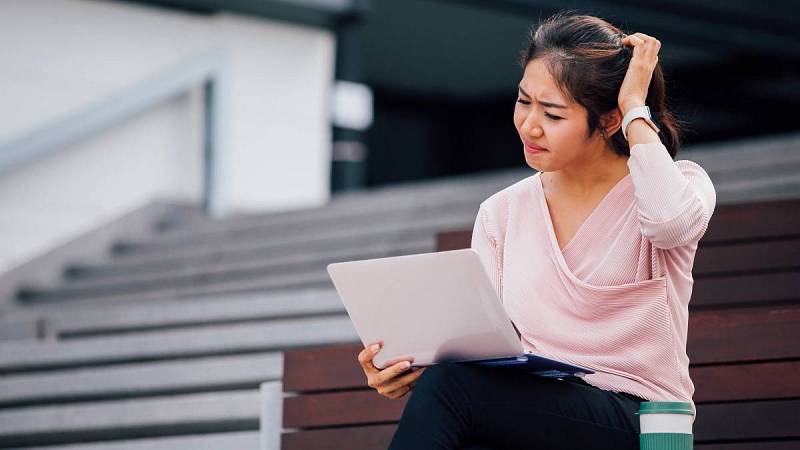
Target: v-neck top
(615,298)
(623,182)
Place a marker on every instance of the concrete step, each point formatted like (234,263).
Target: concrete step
(400,197)
(227,339)
(275,271)
(256,253)
(366,222)
(276,246)
(239,440)
(755,189)
(129,419)
(740,154)
(77,322)
(288,283)
(139,380)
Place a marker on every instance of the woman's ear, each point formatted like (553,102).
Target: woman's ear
(611,122)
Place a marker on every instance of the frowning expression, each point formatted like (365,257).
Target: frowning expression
(544,117)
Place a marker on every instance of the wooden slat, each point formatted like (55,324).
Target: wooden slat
(754,220)
(759,381)
(749,421)
(748,289)
(743,257)
(375,437)
(340,408)
(778,419)
(744,334)
(453,240)
(323,368)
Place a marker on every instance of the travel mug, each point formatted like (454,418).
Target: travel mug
(665,426)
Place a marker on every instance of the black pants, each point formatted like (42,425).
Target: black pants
(459,406)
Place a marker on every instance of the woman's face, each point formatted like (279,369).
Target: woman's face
(543,117)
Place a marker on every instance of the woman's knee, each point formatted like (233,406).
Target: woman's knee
(445,375)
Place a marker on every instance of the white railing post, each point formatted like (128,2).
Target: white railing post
(271,415)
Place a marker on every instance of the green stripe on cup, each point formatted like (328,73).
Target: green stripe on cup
(665,408)
(666,441)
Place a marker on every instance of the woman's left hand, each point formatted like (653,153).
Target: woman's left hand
(633,91)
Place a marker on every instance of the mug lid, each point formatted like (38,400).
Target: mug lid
(665,408)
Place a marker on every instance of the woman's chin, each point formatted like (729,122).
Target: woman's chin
(535,165)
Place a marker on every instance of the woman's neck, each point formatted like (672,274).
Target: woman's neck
(587,179)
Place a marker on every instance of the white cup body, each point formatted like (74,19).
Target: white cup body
(666,423)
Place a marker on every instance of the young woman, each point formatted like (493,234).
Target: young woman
(591,257)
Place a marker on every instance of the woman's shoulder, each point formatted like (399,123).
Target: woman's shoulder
(499,206)
(503,198)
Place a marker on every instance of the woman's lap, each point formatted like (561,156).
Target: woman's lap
(457,404)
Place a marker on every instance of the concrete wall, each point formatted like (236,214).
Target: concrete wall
(59,56)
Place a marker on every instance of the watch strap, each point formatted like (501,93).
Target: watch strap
(636,113)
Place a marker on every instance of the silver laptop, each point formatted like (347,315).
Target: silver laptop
(435,307)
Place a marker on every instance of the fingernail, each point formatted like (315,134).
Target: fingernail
(406,364)
(374,347)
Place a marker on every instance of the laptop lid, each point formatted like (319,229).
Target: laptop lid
(431,307)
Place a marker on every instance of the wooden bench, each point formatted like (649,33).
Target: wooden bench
(744,329)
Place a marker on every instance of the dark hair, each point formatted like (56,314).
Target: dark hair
(586,57)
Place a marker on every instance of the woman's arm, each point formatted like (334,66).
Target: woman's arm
(675,200)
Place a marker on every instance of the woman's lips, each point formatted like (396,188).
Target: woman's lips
(530,148)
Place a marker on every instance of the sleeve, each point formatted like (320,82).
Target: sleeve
(486,246)
(675,199)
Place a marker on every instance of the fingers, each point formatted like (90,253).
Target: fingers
(398,393)
(391,372)
(366,356)
(401,382)
(632,40)
(644,45)
(647,42)
(388,381)
(640,37)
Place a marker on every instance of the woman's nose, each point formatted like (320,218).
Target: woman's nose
(530,128)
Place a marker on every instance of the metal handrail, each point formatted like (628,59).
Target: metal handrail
(208,68)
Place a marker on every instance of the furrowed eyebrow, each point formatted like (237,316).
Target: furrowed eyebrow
(547,104)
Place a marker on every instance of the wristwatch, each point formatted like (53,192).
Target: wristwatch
(635,113)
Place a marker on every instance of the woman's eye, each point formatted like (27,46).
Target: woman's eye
(548,115)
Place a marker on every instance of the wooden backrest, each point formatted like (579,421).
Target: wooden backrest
(744,327)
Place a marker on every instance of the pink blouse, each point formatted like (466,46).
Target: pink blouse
(616,298)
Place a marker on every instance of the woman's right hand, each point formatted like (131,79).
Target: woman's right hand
(392,382)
